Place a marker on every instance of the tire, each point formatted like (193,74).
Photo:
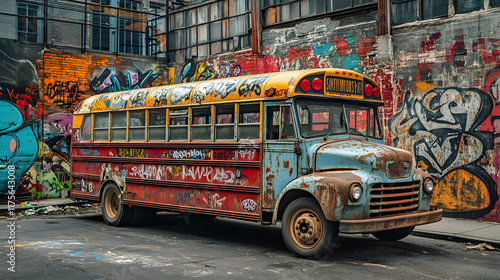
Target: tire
(393,234)
(113,211)
(306,231)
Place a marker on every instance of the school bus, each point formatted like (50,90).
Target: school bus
(304,148)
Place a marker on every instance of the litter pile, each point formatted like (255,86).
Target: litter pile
(481,247)
(56,210)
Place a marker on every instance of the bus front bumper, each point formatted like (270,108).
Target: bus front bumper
(388,223)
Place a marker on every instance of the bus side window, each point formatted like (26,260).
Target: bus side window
(249,121)
(85,129)
(287,130)
(118,126)
(178,127)
(201,124)
(224,127)
(101,127)
(137,126)
(273,123)
(156,126)
(280,123)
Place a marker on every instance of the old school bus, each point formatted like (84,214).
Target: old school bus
(303,148)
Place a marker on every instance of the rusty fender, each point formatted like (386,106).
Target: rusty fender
(330,188)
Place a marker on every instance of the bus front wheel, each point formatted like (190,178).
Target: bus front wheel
(306,231)
(113,211)
(393,234)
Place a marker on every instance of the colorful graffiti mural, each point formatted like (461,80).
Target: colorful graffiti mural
(441,128)
(26,101)
(208,69)
(111,80)
(18,145)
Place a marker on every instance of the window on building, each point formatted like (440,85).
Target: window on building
(130,36)
(119,21)
(463,6)
(276,11)
(209,29)
(28,26)
(404,11)
(103,24)
(434,8)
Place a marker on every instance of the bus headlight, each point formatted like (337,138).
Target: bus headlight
(355,192)
(428,185)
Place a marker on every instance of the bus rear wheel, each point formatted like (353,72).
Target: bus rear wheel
(306,231)
(113,211)
(393,234)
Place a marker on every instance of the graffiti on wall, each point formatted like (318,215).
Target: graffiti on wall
(19,84)
(68,79)
(441,128)
(216,68)
(18,145)
(111,80)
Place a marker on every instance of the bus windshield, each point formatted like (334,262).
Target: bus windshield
(322,117)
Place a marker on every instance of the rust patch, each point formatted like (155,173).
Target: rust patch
(269,200)
(290,172)
(286,164)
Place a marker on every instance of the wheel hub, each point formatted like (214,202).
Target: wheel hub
(307,229)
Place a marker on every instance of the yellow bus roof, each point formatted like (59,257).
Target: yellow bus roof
(277,85)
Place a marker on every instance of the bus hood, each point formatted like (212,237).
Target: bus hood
(357,154)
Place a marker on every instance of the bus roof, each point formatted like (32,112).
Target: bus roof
(330,82)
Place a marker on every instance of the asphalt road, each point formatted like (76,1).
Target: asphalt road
(81,246)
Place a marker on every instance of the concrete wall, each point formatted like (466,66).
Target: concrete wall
(41,87)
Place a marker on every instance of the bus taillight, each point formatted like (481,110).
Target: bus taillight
(368,90)
(376,92)
(305,85)
(317,84)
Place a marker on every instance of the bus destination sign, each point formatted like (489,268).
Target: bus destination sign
(344,87)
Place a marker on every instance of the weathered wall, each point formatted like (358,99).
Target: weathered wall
(446,72)
(440,84)
(46,85)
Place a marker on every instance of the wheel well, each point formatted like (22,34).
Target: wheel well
(104,185)
(289,197)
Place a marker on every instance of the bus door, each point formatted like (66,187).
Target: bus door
(280,159)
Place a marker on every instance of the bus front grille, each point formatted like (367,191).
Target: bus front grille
(394,198)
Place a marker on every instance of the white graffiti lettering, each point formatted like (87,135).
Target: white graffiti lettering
(246,154)
(189,154)
(148,171)
(222,175)
(197,173)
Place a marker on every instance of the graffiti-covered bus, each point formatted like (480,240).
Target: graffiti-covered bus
(304,148)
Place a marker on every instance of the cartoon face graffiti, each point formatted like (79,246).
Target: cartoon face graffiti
(18,145)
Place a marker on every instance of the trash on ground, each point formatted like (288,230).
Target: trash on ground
(480,247)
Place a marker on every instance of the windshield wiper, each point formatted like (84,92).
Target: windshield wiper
(357,132)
